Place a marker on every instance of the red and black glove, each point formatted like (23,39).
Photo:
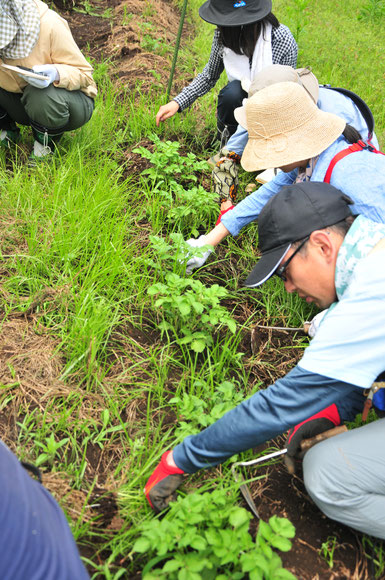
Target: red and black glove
(222,213)
(322,421)
(161,486)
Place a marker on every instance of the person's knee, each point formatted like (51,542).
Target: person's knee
(231,95)
(321,470)
(44,107)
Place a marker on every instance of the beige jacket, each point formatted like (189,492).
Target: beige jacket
(54,46)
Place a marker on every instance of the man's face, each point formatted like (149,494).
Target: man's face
(311,272)
(292,166)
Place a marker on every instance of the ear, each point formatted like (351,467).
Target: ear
(325,244)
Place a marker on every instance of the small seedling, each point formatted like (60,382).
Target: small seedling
(327,550)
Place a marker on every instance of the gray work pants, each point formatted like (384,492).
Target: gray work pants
(345,476)
(52,109)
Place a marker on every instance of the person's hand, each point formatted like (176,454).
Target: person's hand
(166,111)
(49,70)
(197,260)
(322,421)
(225,176)
(315,322)
(222,213)
(161,486)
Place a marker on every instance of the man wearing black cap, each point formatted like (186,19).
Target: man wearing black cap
(309,238)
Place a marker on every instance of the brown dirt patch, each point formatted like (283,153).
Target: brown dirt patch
(136,37)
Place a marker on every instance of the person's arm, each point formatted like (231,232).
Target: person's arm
(250,207)
(268,413)
(74,71)
(284,47)
(238,141)
(206,80)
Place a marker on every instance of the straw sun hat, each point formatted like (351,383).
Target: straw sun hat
(284,127)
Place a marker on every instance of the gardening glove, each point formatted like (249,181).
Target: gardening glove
(197,261)
(160,488)
(322,421)
(225,176)
(313,325)
(49,70)
(222,212)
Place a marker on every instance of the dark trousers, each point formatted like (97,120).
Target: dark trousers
(52,110)
(229,98)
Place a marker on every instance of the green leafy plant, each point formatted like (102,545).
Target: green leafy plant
(199,414)
(374,549)
(373,10)
(50,449)
(298,19)
(327,550)
(168,162)
(191,309)
(205,536)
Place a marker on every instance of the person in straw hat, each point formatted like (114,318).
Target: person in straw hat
(310,239)
(35,38)
(287,130)
(338,101)
(248,37)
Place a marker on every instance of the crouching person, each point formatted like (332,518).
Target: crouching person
(34,37)
(309,238)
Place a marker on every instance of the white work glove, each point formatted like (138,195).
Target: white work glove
(315,322)
(49,70)
(197,261)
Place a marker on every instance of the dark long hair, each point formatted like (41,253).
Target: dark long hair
(351,134)
(242,39)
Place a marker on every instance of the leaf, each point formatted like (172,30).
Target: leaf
(172,566)
(198,345)
(265,530)
(142,545)
(282,526)
(238,517)
(280,543)
(198,543)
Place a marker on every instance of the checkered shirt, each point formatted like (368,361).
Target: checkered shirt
(19,28)
(284,49)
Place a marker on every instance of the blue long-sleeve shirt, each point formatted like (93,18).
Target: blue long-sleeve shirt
(360,175)
(268,413)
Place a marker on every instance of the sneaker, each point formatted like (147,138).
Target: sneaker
(40,153)
(9,138)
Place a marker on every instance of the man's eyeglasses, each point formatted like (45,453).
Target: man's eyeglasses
(280,272)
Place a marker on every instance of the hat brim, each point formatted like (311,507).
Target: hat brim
(240,116)
(309,82)
(302,143)
(267,265)
(235,16)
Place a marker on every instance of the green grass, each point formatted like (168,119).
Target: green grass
(76,268)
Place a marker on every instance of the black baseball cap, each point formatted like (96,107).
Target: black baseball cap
(234,12)
(292,214)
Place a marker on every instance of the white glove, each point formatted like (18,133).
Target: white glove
(197,261)
(315,322)
(49,70)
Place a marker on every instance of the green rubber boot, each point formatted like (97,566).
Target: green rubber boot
(9,138)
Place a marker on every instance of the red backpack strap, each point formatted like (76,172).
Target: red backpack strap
(359,146)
